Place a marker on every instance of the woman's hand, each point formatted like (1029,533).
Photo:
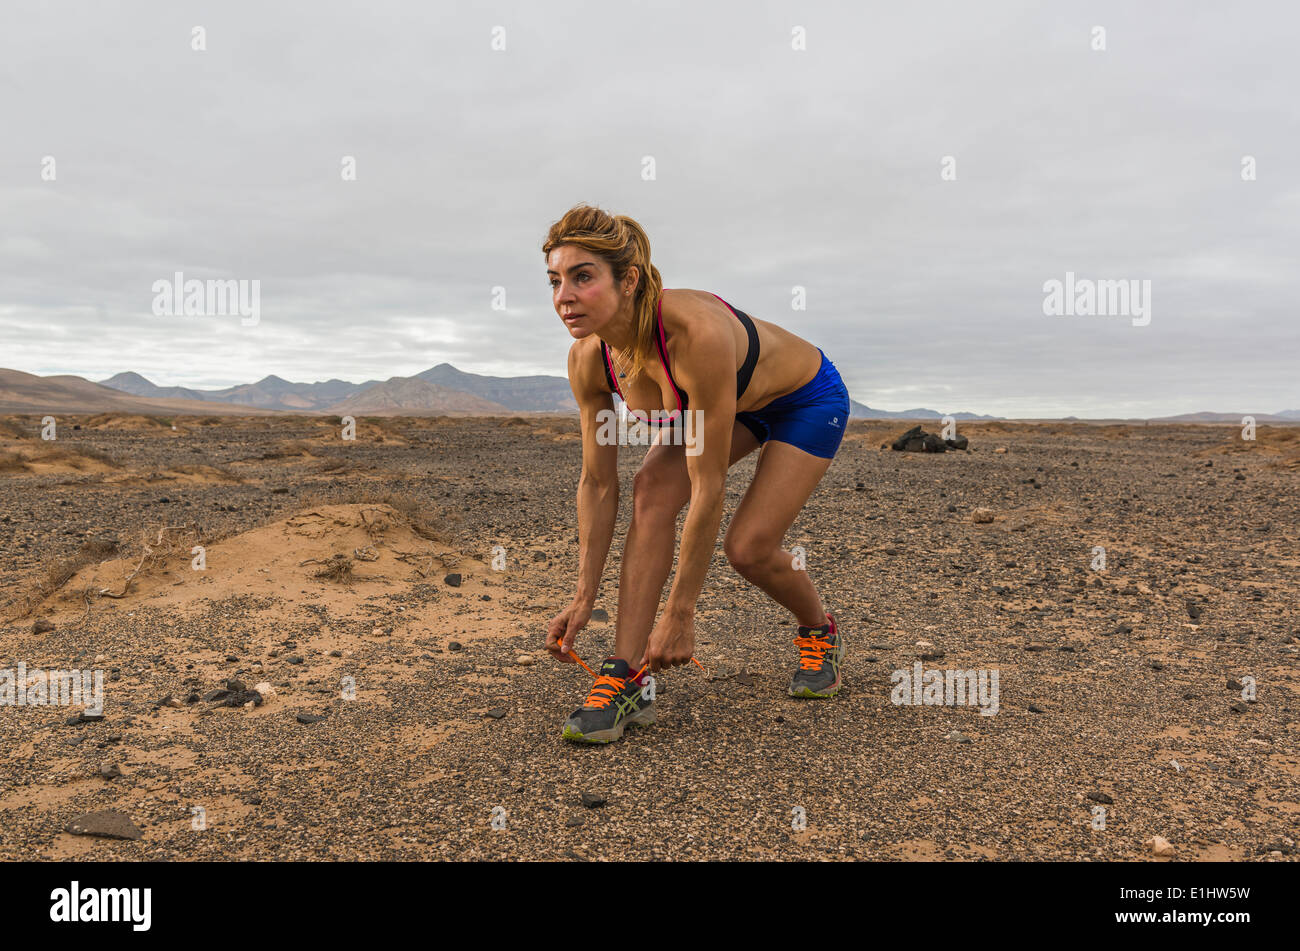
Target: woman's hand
(672,643)
(564,627)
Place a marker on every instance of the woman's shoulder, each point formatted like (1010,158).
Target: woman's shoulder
(689,314)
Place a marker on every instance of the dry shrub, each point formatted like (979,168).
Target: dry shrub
(207,470)
(12,461)
(423,519)
(57,572)
(338,568)
(294,447)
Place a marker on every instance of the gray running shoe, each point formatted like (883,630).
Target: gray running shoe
(821,652)
(615,703)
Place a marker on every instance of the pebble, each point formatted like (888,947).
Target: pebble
(1159,845)
(524,660)
(957,737)
(110,771)
(592,800)
(1097,795)
(309,718)
(981,516)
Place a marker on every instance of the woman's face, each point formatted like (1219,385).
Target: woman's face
(583,289)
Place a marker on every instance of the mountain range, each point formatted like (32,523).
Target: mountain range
(440,390)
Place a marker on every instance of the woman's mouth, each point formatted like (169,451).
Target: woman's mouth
(574,316)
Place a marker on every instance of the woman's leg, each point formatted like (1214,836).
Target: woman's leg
(783,481)
(661,488)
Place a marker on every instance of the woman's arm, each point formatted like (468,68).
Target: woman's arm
(713,407)
(598,484)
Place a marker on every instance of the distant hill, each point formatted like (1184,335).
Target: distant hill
(511,394)
(411,396)
(534,394)
(1227,417)
(27,393)
(863,411)
(137,385)
(271,392)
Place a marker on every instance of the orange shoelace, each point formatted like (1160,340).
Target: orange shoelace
(605,689)
(599,677)
(812,650)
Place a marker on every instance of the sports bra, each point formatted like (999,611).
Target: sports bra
(742,375)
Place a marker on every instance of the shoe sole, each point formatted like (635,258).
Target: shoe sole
(643,717)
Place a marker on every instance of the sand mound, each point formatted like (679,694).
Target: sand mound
(181,475)
(11,428)
(127,422)
(282,561)
(1280,444)
(53,460)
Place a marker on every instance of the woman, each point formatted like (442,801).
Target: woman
(677,350)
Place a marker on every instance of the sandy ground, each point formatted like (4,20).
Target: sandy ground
(1113,685)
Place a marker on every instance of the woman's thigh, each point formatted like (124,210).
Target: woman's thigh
(663,474)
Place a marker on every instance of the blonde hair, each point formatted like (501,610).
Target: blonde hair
(622,242)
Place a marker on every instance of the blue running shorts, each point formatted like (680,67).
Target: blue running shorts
(812,418)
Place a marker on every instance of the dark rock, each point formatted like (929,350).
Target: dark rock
(309,718)
(593,800)
(599,614)
(454,646)
(453,579)
(238,698)
(106,823)
(110,772)
(1097,796)
(496,713)
(295,659)
(42,626)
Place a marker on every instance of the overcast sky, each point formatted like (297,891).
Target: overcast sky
(775,168)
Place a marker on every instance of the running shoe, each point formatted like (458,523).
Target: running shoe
(614,703)
(821,651)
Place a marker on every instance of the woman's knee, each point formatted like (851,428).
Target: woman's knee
(659,489)
(747,555)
